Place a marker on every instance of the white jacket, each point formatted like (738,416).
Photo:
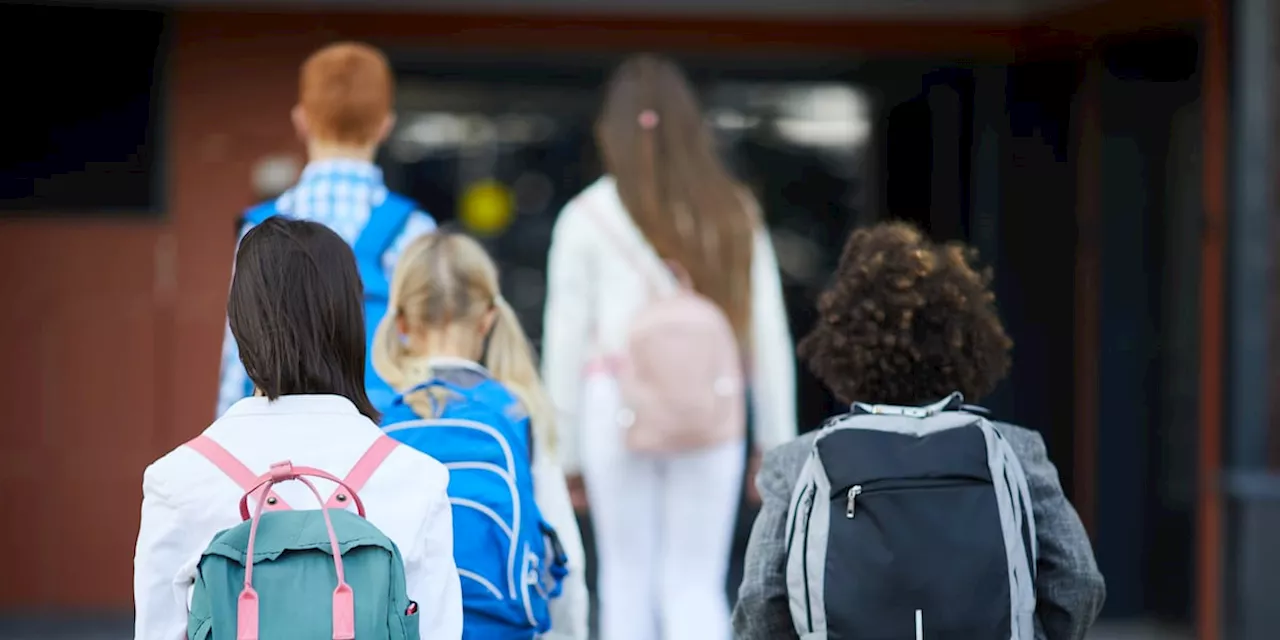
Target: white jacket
(186,500)
(571,611)
(592,284)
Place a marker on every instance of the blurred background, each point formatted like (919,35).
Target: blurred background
(1113,160)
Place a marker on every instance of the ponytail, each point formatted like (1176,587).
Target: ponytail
(442,280)
(510,359)
(391,359)
(389,354)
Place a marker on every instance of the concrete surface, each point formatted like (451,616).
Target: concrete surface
(121,628)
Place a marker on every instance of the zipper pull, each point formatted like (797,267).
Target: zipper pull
(851,505)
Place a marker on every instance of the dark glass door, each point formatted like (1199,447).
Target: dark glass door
(498,149)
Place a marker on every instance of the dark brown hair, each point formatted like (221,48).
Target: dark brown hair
(297,312)
(906,321)
(673,184)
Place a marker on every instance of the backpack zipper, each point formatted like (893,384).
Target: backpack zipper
(851,503)
(529,569)
(852,493)
(808,603)
(795,519)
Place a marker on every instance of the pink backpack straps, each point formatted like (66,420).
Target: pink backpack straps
(240,474)
(362,471)
(344,614)
(630,254)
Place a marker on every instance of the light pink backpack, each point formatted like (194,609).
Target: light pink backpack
(680,374)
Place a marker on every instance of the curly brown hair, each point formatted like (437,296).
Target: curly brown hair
(906,321)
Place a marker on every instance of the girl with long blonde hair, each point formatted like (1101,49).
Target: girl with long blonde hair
(447,321)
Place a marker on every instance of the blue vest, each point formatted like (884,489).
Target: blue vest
(386,221)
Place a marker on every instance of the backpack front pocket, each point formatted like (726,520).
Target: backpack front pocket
(409,624)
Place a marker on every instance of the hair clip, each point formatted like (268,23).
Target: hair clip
(648,119)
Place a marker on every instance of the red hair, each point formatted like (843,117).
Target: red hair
(345,91)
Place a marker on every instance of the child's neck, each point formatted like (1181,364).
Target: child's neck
(452,355)
(443,347)
(454,342)
(319,151)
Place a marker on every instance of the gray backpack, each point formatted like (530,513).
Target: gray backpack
(912,522)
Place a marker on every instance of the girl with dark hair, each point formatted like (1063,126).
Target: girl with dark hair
(296,312)
(670,245)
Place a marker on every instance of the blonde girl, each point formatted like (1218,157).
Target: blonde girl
(447,321)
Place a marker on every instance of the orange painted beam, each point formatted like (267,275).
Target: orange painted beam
(985,40)
(1083,24)
(1088,281)
(571,33)
(1209,538)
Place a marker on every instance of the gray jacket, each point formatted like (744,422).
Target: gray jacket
(1069,589)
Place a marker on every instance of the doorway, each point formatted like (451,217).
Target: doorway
(800,139)
(1149,352)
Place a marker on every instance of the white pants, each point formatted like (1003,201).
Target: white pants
(663,529)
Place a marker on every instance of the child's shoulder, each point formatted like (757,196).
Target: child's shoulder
(483,400)
(398,412)
(597,198)
(396,201)
(501,400)
(427,473)
(174,475)
(493,391)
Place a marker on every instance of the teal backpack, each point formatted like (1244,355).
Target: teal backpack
(300,575)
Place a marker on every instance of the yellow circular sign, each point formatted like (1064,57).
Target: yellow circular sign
(487,207)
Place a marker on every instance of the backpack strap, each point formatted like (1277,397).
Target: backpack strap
(953,402)
(343,599)
(602,364)
(386,221)
(240,474)
(256,214)
(254,484)
(362,471)
(483,389)
(630,255)
(435,383)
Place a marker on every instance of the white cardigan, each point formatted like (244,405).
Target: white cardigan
(186,500)
(582,255)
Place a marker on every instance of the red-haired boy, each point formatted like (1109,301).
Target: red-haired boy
(344,113)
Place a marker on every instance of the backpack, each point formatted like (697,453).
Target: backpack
(911,519)
(680,376)
(320,573)
(386,221)
(510,560)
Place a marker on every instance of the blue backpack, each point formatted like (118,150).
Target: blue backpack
(510,560)
(386,221)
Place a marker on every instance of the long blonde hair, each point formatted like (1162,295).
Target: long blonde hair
(447,279)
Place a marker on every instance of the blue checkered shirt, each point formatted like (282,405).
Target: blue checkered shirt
(339,194)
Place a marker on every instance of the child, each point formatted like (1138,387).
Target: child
(343,114)
(663,501)
(295,310)
(447,317)
(905,323)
